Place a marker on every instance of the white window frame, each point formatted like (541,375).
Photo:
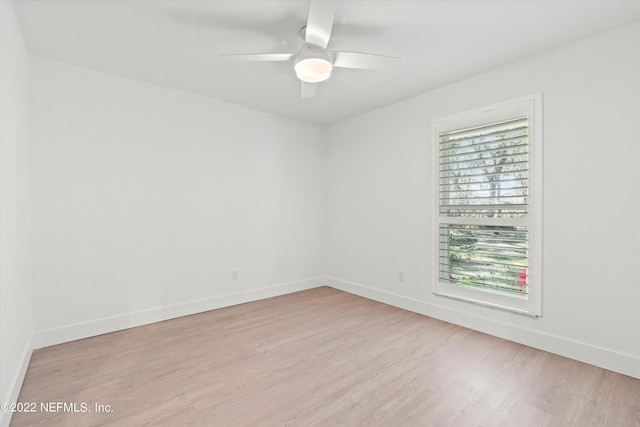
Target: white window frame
(531,304)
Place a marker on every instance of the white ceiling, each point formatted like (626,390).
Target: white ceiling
(177,43)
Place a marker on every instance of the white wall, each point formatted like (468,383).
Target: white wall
(15,284)
(379,189)
(145,199)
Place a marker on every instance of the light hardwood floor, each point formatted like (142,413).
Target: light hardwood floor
(319,357)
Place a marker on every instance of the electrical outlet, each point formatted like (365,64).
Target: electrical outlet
(401,276)
(234,274)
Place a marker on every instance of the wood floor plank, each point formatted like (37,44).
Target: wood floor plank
(319,357)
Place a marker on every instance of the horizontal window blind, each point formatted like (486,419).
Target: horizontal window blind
(484,170)
(483,182)
(489,257)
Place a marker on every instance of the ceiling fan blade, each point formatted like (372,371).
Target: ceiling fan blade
(320,22)
(259,56)
(361,60)
(307,90)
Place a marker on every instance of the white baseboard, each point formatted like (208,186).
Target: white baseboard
(623,363)
(16,383)
(91,328)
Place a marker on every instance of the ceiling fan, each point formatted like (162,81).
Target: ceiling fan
(313,63)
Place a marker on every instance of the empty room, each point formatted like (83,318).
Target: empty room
(358,212)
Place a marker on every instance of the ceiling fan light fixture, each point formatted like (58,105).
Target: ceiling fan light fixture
(313,64)
(313,70)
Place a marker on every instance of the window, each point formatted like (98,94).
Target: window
(487,205)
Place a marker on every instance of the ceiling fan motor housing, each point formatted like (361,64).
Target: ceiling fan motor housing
(313,64)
